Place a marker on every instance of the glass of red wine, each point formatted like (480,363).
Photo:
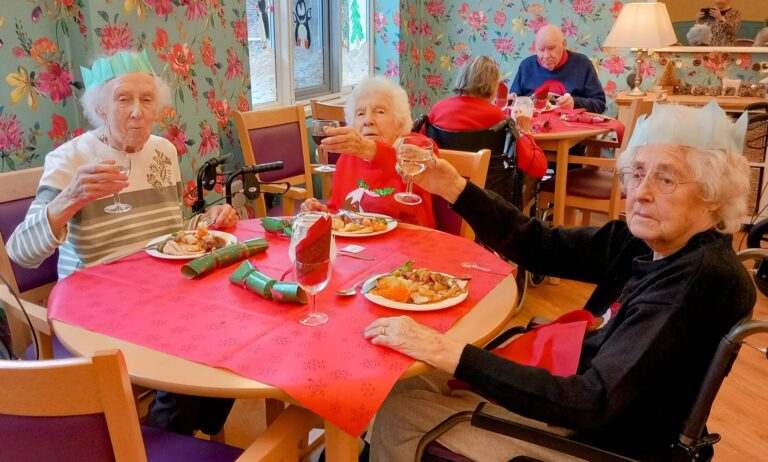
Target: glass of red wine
(539,104)
(318,133)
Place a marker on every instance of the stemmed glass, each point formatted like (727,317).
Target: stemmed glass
(539,104)
(413,153)
(123,163)
(318,133)
(311,252)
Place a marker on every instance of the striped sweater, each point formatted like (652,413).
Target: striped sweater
(154,190)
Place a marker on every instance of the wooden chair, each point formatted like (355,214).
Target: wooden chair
(278,134)
(325,111)
(32,285)
(85,408)
(595,187)
(474,167)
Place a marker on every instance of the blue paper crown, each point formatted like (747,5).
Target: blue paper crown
(122,62)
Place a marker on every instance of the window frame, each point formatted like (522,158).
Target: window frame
(286,93)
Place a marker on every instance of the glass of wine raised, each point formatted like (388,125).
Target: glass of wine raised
(318,133)
(413,153)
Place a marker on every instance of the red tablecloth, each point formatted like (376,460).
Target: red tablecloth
(558,124)
(330,369)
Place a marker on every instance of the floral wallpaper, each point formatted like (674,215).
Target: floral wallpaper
(197,46)
(424,41)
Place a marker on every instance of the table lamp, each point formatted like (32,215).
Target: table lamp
(641,26)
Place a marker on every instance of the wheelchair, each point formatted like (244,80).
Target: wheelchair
(693,445)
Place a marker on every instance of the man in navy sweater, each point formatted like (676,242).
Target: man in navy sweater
(552,62)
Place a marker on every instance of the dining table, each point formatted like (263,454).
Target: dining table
(207,336)
(557,136)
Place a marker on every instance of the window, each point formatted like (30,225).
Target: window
(302,49)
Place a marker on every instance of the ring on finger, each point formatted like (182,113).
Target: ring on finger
(383,330)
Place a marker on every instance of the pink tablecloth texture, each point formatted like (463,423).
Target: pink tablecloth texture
(330,369)
(578,119)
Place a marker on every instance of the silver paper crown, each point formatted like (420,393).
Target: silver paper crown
(707,128)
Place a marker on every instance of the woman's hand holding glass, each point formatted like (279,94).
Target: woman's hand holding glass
(441,178)
(413,154)
(348,141)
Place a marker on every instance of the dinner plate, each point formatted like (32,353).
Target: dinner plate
(231,239)
(383,301)
(391,224)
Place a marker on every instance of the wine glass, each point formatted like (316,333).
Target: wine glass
(318,133)
(413,153)
(524,104)
(123,163)
(539,104)
(311,252)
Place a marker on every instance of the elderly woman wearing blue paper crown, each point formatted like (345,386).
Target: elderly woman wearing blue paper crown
(669,286)
(123,97)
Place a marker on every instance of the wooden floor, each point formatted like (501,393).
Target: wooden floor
(740,413)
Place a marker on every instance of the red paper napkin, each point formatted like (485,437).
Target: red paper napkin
(549,86)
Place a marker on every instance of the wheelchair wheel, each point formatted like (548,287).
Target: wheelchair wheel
(522,287)
(757,237)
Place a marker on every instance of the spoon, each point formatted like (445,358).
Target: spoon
(352,290)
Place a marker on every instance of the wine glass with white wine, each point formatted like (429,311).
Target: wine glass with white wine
(413,153)
(123,163)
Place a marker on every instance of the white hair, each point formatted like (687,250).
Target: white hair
(95,98)
(392,91)
(723,179)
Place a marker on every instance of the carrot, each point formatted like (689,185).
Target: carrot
(398,293)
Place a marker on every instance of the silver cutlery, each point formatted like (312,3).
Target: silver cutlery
(113,259)
(354,255)
(481,268)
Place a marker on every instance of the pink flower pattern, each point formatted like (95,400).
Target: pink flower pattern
(234,66)
(116,37)
(11,133)
(583,7)
(56,82)
(614,65)
(569,28)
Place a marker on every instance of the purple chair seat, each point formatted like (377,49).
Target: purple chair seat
(85,437)
(59,351)
(164,446)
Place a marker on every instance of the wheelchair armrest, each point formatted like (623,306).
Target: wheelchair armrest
(484,418)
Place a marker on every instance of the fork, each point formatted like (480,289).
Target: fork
(351,217)
(478,267)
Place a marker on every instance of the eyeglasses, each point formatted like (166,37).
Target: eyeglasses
(663,182)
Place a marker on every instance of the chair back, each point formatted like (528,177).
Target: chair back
(18,192)
(85,403)
(278,134)
(31,284)
(471,165)
(743,42)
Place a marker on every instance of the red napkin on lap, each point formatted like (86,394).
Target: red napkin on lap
(549,86)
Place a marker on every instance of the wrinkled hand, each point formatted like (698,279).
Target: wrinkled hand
(94,181)
(441,178)
(523,122)
(222,216)
(700,17)
(715,12)
(418,341)
(91,182)
(565,101)
(349,141)
(313,205)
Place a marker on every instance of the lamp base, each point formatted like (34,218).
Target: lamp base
(635,92)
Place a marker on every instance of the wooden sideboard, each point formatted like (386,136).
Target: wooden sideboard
(758,162)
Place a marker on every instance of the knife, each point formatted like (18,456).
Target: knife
(373,281)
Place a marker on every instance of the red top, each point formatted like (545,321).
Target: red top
(371,186)
(464,113)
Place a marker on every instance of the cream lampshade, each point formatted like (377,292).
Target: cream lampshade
(642,26)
